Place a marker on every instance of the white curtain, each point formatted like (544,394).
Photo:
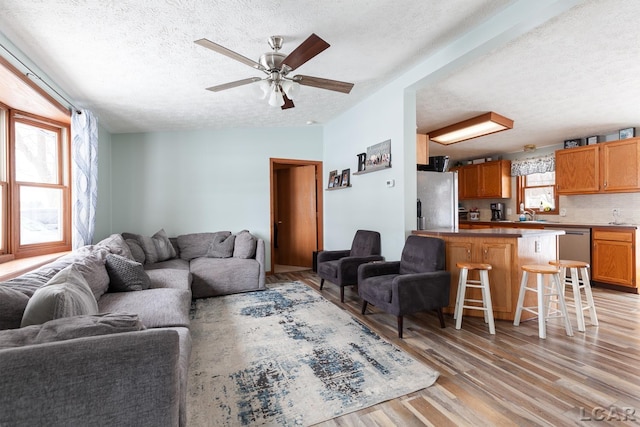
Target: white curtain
(84,172)
(533,165)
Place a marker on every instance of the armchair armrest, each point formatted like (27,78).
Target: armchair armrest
(378,269)
(332,255)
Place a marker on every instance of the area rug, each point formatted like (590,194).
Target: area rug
(286,356)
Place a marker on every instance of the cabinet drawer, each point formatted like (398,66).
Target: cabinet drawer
(618,236)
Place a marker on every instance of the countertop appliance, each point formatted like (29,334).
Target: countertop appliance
(438,193)
(497,212)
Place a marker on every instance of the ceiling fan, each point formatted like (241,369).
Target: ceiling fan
(277,85)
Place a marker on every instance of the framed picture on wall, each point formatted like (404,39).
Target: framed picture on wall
(626,133)
(570,143)
(592,140)
(332,178)
(346,178)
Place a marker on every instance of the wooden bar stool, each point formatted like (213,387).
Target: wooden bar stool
(578,279)
(463,283)
(544,293)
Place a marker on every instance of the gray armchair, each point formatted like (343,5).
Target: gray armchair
(418,282)
(341,267)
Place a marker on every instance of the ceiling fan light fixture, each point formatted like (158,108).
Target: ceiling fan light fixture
(276,99)
(290,88)
(475,127)
(263,86)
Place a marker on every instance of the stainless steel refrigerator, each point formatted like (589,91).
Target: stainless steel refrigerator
(438,195)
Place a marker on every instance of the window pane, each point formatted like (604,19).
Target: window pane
(36,154)
(537,179)
(533,197)
(40,215)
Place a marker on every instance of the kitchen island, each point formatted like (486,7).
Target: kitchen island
(507,250)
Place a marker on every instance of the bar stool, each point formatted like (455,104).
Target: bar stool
(464,282)
(578,279)
(544,293)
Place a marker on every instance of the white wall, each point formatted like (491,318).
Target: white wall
(196,181)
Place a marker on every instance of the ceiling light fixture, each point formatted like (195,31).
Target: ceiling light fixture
(481,125)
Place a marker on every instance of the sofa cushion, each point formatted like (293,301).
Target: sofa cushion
(116,245)
(92,267)
(245,246)
(125,274)
(156,248)
(175,263)
(170,278)
(66,294)
(223,276)
(221,246)
(196,245)
(68,328)
(12,305)
(156,308)
(136,250)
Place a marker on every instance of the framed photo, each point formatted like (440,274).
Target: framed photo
(570,143)
(346,178)
(333,175)
(379,155)
(592,140)
(626,133)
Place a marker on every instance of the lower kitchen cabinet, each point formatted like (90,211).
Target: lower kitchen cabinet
(613,257)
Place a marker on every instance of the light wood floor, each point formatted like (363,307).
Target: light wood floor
(513,377)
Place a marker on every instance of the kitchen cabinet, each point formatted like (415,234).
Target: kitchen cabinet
(490,180)
(612,167)
(578,170)
(422,149)
(613,257)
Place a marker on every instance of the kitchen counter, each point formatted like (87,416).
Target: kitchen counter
(538,224)
(507,250)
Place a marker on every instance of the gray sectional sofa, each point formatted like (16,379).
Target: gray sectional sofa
(101,336)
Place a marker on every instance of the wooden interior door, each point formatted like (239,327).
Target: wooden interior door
(296,215)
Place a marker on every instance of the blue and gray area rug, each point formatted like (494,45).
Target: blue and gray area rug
(286,356)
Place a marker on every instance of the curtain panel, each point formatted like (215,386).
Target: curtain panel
(533,165)
(84,173)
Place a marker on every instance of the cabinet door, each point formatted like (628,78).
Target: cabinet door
(621,166)
(468,182)
(499,256)
(491,179)
(456,252)
(613,262)
(577,170)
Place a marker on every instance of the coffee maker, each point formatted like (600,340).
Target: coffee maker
(497,212)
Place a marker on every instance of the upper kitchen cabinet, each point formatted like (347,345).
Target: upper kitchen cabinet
(612,167)
(422,149)
(490,180)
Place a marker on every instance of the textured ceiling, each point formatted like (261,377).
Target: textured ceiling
(134,63)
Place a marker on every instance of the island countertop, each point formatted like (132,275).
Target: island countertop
(489,232)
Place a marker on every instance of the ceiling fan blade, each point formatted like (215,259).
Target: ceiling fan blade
(228,52)
(309,48)
(321,83)
(230,85)
(288,103)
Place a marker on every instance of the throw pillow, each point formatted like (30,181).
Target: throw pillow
(126,275)
(221,246)
(157,247)
(93,270)
(195,245)
(116,245)
(12,305)
(136,250)
(66,294)
(245,246)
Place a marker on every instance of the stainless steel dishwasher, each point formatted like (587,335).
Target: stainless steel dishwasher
(575,244)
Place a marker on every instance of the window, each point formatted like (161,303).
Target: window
(538,190)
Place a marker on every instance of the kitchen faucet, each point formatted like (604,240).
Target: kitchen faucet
(531,212)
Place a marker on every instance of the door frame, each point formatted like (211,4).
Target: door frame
(277,163)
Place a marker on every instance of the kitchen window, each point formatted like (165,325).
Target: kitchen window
(538,191)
